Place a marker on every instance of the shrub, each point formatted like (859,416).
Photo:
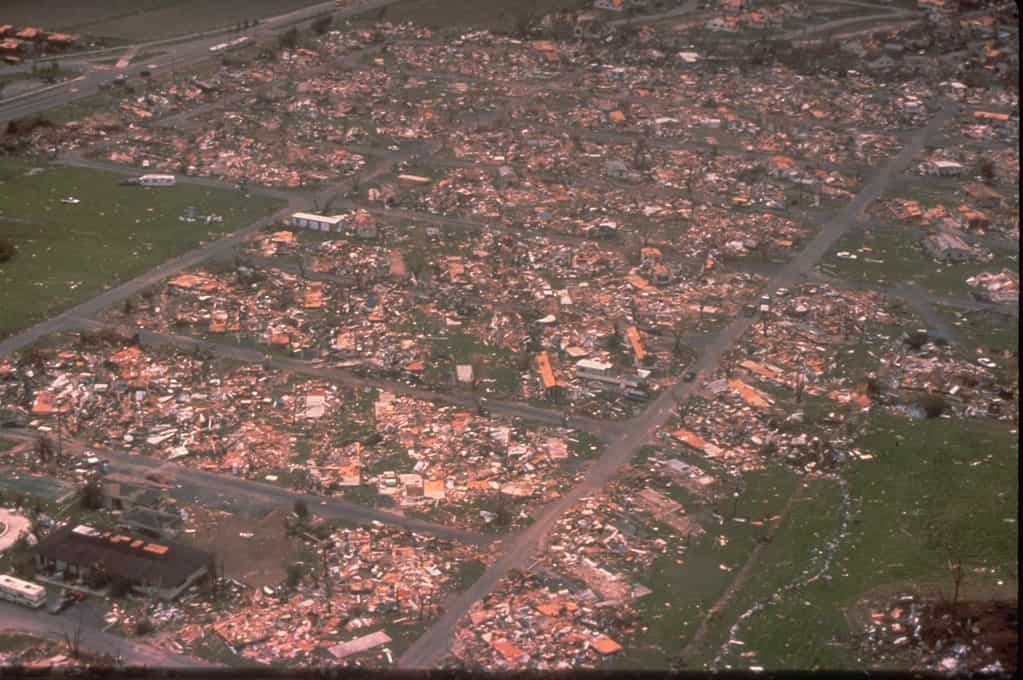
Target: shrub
(916,339)
(119,587)
(932,404)
(92,495)
(7,249)
(294,575)
(322,25)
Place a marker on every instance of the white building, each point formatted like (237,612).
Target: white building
(157,181)
(316,222)
(944,168)
(22,592)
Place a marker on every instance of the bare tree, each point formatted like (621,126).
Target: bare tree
(74,642)
(949,541)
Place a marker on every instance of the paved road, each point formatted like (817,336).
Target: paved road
(179,56)
(689,6)
(255,499)
(601,428)
(883,20)
(431,648)
(42,624)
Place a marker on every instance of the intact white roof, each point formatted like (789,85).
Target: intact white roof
(593,365)
(311,217)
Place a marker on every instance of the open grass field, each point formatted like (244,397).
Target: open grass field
(69,253)
(494,14)
(983,330)
(929,482)
(882,527)
(140,19)
(887,256)
(686,586)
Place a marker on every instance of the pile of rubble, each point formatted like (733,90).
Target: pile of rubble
(1002,288)
(532,622)
(942,637)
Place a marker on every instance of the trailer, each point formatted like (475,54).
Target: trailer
(25,593)
(157,180)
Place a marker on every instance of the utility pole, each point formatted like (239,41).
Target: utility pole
(60,437)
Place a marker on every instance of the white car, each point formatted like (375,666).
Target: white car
(987,363)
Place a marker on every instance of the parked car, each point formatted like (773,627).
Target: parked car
(63,601)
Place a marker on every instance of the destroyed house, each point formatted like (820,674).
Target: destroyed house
(162,569)
(944,168)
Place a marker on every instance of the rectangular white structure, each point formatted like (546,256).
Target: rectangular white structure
(316,222)
(22,592)
(157,180)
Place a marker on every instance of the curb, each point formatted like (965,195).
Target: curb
(32,93)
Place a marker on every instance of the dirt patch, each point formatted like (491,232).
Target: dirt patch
(915,626)
(977,635)
(255,552)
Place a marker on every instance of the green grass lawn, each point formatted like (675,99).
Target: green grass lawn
(69,253)
(980,329)
(141,19)
(944,479)
(497,14)
(685,586)
(896,256)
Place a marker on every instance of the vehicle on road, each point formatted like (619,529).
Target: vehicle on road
(21,592)
(121,79)
(636,395)
(689,376)
(62,601)
(145,73)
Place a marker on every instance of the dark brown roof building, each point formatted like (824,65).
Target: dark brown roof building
(166,568)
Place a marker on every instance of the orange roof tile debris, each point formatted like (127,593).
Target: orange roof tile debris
(543,364)
(990,115)
(638,282)
(46,403)
(636,342)
(606,645)
(509,650)
(190,281)
(313,295)
(750,394)
(690,438)
(128,355)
